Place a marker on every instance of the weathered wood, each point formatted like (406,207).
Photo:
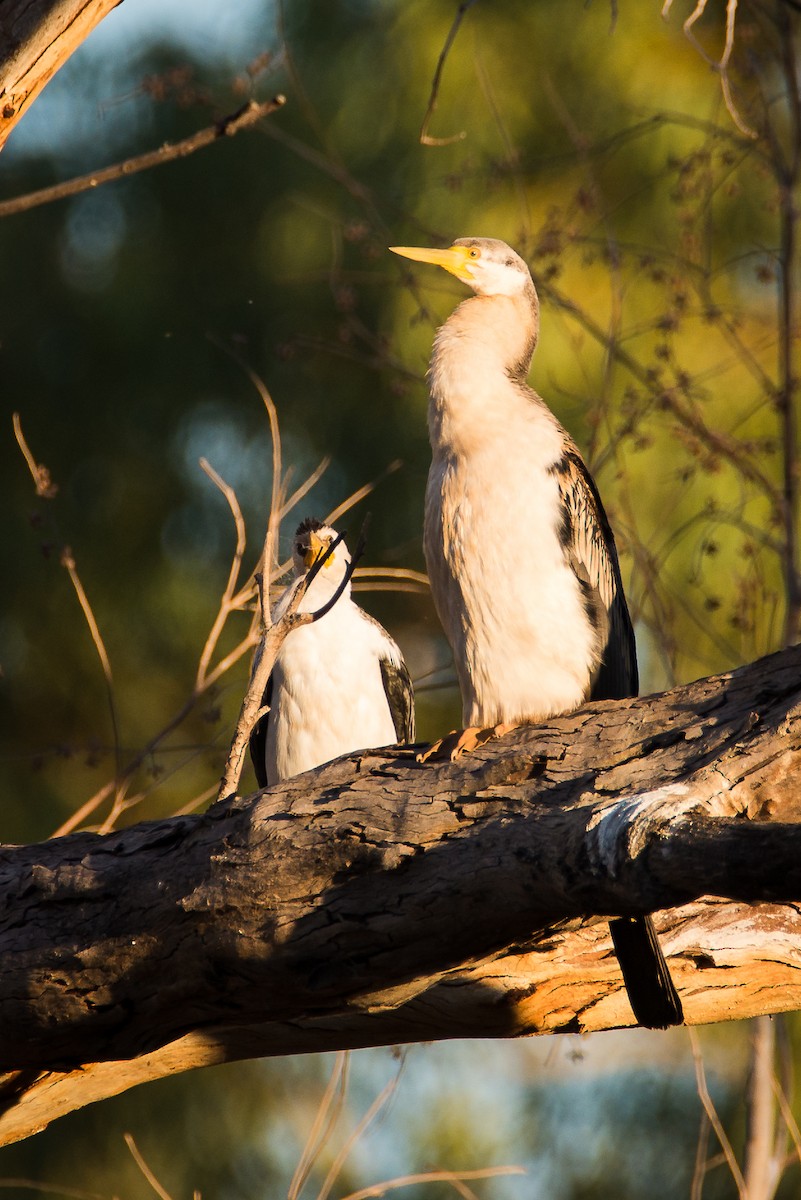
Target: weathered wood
(380,900)
(36,39)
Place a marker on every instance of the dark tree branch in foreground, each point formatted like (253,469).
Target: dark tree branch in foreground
(379,900)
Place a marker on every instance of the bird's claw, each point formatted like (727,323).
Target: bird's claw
(462,741)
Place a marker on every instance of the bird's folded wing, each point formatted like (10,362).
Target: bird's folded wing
(590,545)
(258,738)
(400,697)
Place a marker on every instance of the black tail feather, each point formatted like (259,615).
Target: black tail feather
(652,994)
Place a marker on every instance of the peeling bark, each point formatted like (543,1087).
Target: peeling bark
(379,900)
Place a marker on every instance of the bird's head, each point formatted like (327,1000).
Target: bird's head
(488,266)
(311,543)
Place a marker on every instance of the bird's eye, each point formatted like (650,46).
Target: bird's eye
(475,252)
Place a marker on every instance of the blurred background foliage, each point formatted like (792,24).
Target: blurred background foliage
(598,144)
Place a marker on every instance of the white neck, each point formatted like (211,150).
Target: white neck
(481,355)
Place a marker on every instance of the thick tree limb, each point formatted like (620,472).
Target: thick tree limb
(36,39)
(380,900)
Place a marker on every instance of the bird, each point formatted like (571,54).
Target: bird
(338,684)
(521,558)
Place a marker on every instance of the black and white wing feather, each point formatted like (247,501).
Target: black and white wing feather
(590,545)
(397,682)
(400,698)
(258,738)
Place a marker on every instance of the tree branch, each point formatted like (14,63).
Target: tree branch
(379,900)
(244,118)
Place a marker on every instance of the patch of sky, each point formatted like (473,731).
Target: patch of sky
(214,430)
(578,1123)
(88,109)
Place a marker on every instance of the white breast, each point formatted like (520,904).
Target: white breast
(328,694)
(523,646)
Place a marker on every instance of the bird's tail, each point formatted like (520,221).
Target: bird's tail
(652,994)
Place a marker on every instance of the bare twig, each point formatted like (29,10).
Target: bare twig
(226,603)
(45,487)
(361,492)
(712,1114)
(244,118)
(425,139)
(720,65)
(346,1147)
(761,1169)
(788,1118)
(328,1113)
(453,1177)
(269,556)
(227,599)
(701,1162)
(161,1192)
(315,477)
(398,579)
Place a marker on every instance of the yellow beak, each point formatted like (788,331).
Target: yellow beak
(456,259)
(317,547)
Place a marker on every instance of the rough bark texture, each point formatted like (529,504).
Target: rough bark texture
(379,900)
(36,39)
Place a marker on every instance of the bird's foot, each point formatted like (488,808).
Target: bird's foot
(462,741)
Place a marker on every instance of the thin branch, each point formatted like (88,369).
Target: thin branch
(68,562)
(425,139)
(344,1150)
(714,1119)
(380,1189)
(325,1119)
(720,65)
(788,1118)
(145,1169)
(406,579)
(759,1164)
(45,487)
(269,556)
(244,118)
(226,601)
(196,802)
(701,1161)
(299,492)
(361,492)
